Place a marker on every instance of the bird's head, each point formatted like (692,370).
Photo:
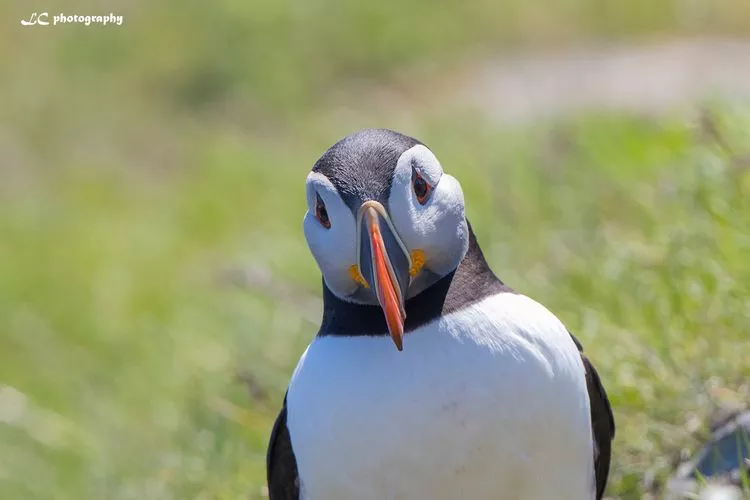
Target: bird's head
(384,222)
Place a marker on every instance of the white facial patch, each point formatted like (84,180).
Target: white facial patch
(439,226)
(334,249)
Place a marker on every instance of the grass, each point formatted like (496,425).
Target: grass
(149,182)
(122,337)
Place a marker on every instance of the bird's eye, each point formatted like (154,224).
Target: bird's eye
(321,213)
(422,188)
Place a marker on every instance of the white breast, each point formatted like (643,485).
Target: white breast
(487,403)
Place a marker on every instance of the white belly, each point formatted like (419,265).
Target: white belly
(486,403)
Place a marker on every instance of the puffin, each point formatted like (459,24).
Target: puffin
(429,377)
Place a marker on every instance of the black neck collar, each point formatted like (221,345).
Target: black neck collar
(472,281)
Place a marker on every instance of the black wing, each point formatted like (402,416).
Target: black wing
(281,466)
(602,423)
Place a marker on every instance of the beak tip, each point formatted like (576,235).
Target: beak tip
(398,339)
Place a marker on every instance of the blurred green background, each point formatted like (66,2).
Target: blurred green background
(156,290)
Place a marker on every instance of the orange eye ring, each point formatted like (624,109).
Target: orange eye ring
(422,188)
(321,213)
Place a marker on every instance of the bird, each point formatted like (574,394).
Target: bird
(429,377)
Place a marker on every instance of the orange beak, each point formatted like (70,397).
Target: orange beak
(388,291)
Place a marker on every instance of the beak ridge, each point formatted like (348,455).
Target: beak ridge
(385,264)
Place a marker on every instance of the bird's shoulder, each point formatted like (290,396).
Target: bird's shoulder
(596,388)
(525,318)
(281,465)
(602,421)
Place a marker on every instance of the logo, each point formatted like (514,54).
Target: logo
(42,19)
(36,19)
